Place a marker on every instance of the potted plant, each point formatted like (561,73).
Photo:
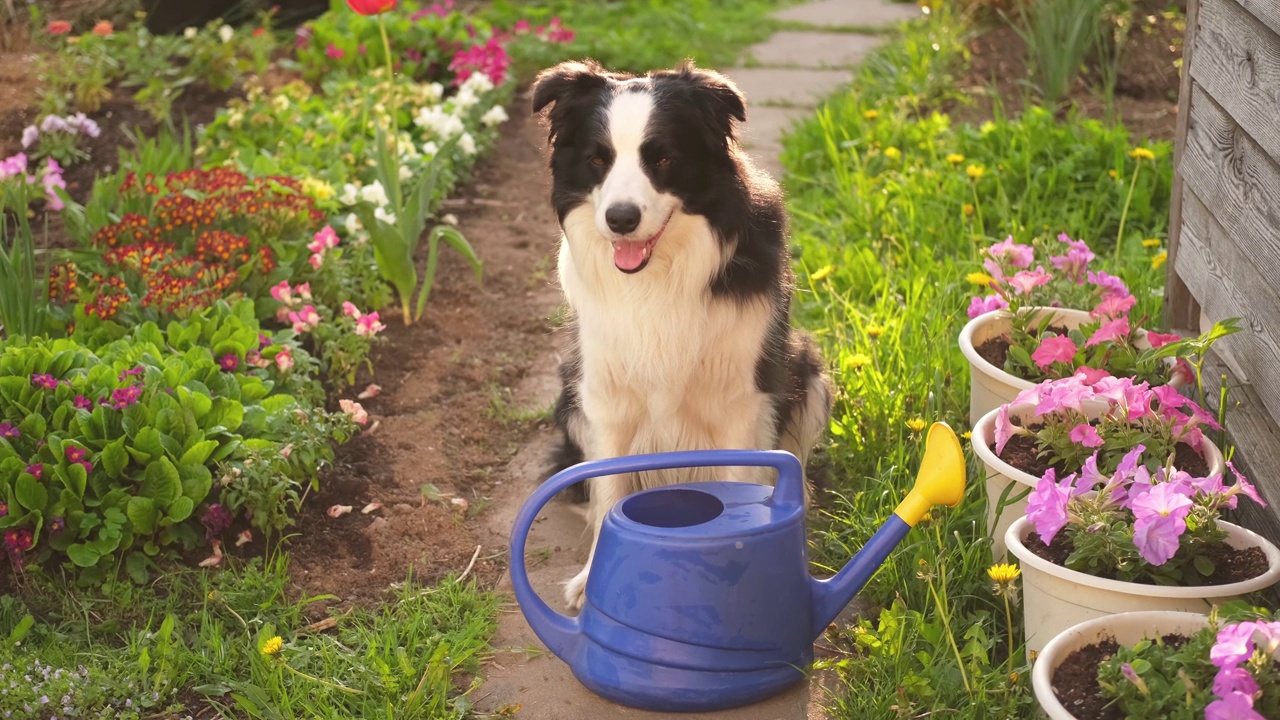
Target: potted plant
(1157,664)
(1100,542)
(1037,325)
(1060,423)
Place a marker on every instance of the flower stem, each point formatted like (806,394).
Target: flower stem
(1124,214)
(1008,621)
(946,621)
(335,686)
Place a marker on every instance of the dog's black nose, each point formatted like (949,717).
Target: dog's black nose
(623,217)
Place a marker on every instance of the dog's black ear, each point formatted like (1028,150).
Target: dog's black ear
(567,87)
(722,99)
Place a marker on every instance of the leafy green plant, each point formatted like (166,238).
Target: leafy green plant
(24,297)
(1059,35)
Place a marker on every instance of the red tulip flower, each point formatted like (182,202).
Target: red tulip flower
(371,7)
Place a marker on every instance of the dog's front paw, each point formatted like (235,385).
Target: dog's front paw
(575,591)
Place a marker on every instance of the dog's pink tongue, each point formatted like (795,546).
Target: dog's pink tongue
(628,256)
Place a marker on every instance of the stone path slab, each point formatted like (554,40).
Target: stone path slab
(814,49)
(786,86)
(850,13)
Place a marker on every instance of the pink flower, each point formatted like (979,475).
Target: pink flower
(982,305)
(1160,519)
(1076,262)
(354,410)
(254,358)
(1089,376)
(1047,505)
(284,359)
(76,456)
(282,292)
(304,290)
(304,320)
(1110,285)
(368,325)
(316,261)
(349,309)
(1234,645)
(1182,373)
(1236,706)
(1005,430)
(1024,281)
(1110,331)
(334,52)
(1160,340)
(1012,253)
(1055,348)
(1232,680)
(521,27)
(1114,306)
(1086,435)
(326,239)
(1242,486)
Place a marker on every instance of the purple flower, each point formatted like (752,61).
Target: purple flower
(982,305)
(82,403)
(1010,252)
(263,341)
(29,136)
(1005,429)
(56,526)
(44,380)
(1047,505)
(229,362)
(1132,676)
(36,470)
(4,509)
(122,398)
(1165,499)
(1076,262)
(53,123)
(1157,537)
(8,431)
(1234,679)
(1086,435)
(1244,487)
(76,456)
(1064,394)
(216,520)
(334,52)
(1235,706)
(132,372)
(1234,645)
(1053,349)
(1110,285)
(81,123)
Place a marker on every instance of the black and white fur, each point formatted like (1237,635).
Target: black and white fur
(682,339)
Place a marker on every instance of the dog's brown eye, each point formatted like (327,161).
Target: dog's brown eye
(663,162)
(597,161)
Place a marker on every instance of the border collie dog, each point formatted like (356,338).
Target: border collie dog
(676,271)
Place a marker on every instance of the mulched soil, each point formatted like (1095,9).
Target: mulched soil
(1146,90)
(996,350)
(1075,682)
(1020,452)
(1230,565)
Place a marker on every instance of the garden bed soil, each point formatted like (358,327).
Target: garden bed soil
(1021,453)
(1229,564)
(1146,90)
(1075,682)
(996,350)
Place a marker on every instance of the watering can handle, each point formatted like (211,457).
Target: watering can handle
(561,632)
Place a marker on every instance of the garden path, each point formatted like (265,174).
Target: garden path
(785,78)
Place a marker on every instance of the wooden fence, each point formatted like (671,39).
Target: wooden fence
(1224,240)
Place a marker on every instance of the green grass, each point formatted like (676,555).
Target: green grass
(127,651)
(641,35)
(890,204)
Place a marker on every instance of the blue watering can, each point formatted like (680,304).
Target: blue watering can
(699,596)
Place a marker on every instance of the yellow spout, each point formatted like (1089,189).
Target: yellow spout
(941,478)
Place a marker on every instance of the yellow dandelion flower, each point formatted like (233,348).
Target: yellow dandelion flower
(318,189)
(857,360)
(1003,573)
(1142,154)
(273,646)
(987,128)
(1151,242)
(1014,677)
(875,331)
(955,158)
(926,518)
(871,114)
(892,153)
(975,171)
(979,278)
(1159,259)
(916,424)
(1112,174)
(966,434)
(967,209)
(821,273)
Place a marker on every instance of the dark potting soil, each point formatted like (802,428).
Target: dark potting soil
(1230,565)
(1075,682)
(1020,452)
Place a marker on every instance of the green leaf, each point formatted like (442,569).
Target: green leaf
(83,555)
(114,458)
(1204,565)
(29,493)
(161,482)
(76,479)
(197,454)
(196,482)
(136,565)
(458,242)
(142,513)
(21,629)
(181,509)
(148,441)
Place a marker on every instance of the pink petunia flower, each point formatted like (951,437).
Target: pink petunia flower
(1047,505)
(1234,645)
(1109,331)
(1076,262)
(1005,430)
(1110,285)
(354,410)
(1089,376)
(1055,348)
(1160,340)
(1024,281)
(1008,251)
(1114,306)
(981,305)
(1086,435)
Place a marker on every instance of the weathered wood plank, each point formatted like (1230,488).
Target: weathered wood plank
(1268,11)
(1180,306)
(1237,179)
(1237,63)
(1229,283)
(1257,439)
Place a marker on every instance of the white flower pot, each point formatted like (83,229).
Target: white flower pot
(1127,629)
(1055,597)
(989,386)
(1001,475)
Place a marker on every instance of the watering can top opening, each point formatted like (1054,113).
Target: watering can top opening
(704,510)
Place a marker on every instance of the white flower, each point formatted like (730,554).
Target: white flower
(350,195)
(478,83)
(384,216)
(449,219)
(431,92)
(190,33)
(467,143)
(352,224)
(375,194)
(227,33)
(495,116)
(281,102)
(429,148)
(405,172)
(465,99)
